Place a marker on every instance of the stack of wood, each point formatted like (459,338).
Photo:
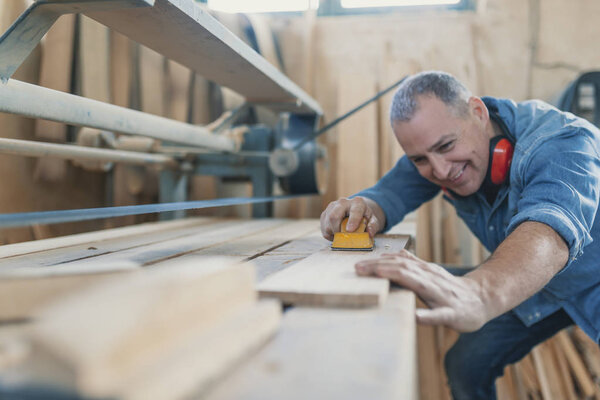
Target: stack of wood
(163,333)
(567,366)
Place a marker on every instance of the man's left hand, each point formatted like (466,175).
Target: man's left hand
(456,302)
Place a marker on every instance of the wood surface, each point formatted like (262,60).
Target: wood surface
(32,275)
(357,139)
(195,367)
(333,354)
(183,32)
(55,73)
(126,327)
(328,278)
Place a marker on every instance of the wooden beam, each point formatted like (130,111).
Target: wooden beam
(99,341)
(334,354)
(184,32)
(357,139)
(328,278)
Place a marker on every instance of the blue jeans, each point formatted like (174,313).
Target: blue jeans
(478,358)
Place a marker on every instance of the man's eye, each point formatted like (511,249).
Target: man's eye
(446,146)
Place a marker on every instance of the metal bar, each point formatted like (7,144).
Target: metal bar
(72,152)
(27,31)
(59,216)
(339,119)
(37,102)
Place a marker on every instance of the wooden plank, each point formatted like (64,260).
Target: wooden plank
(185,33)
(256,243)
(20,298)
(30,281)
(137,322)
(562,367)
(328,278)
(109,245)
(73,240)
(333,354)
(357,136)
(168,249)
(550,388)
(177,94)
(289,254)
(95,66)
(55,73)
(196,366)
(582,376)
(589,351)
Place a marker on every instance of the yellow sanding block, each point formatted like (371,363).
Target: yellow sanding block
(359,240)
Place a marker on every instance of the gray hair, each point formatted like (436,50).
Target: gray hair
(433,83)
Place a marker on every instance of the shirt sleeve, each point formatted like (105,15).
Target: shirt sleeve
(400,191)
(561,182)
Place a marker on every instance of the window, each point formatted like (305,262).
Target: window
(261,6)
(395,3)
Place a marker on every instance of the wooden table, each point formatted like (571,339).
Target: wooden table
(318,352)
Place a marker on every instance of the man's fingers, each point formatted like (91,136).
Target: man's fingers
(412,280)
(436,316)
(358,210)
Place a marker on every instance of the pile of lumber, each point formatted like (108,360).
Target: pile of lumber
(162,333)
(565,367)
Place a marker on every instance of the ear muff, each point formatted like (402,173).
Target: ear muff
(501,153)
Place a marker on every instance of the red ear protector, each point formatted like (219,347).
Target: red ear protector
(501,152)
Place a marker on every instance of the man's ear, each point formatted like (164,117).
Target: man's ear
(478,109)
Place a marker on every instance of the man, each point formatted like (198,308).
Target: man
(544,271)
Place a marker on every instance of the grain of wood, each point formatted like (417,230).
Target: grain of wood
(357,166)
(102,337)
(582,376)
(333,354)
(328,278)
(562,367)
(198,365)
(18,249)
(55,73)
(183,32)
(589,351)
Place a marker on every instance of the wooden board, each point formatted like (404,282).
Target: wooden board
(73,240)
(357,159)
(328,278)
(197,365)
(101,340)
(55,73)
(333,354)
(183,32)
(55,267)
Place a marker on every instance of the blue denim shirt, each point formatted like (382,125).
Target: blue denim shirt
(554,179)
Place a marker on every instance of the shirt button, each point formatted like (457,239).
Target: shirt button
(491,228)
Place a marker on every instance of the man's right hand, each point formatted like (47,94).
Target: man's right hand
(355,209)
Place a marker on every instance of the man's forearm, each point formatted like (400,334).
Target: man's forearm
(522,265)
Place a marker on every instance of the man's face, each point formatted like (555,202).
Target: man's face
(449,150)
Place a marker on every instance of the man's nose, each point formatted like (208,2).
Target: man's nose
(440,168)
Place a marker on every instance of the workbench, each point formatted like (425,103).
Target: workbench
(344,352)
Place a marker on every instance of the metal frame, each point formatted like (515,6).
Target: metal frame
(156,23)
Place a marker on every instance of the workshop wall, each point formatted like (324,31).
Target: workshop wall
(509,48)
(505,48)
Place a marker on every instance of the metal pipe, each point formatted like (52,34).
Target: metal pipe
(38,102)
(71,152)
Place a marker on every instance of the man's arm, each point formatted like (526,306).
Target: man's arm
(522,265)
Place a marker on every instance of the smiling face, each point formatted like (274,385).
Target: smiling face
(449,150)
